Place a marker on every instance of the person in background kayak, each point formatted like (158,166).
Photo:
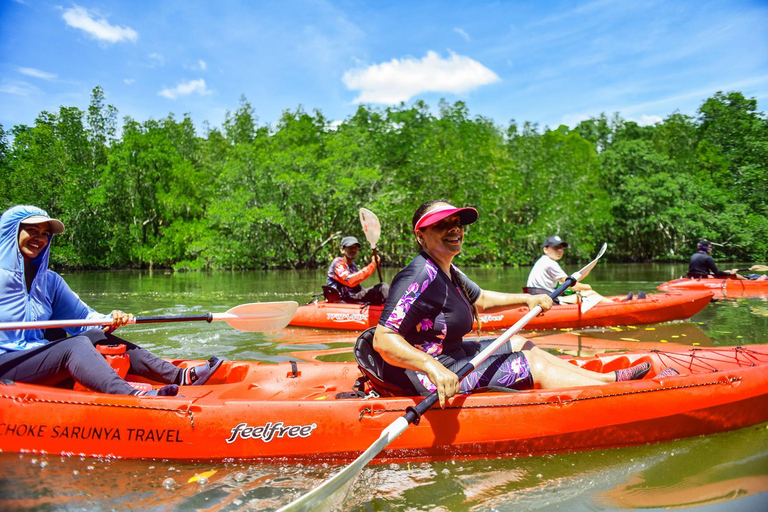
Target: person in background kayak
(29,292)
(432,305)
(702,264)
(546,274)
(344,276)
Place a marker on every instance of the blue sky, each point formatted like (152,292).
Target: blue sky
(547,62)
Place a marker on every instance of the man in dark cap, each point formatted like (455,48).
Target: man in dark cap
(546,274)
(344,276)
(703,265)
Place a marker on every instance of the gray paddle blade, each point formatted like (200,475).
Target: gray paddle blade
(371,226)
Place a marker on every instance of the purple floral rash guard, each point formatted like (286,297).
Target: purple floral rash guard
(427,309)
(433,314)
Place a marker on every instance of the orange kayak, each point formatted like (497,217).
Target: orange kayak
(726,287)
(306,411)
(655,308)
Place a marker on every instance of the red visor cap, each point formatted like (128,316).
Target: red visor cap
(468,215)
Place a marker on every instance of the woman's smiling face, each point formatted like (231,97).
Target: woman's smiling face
(443,239)
(33,238)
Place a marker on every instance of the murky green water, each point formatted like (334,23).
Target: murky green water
(720,472)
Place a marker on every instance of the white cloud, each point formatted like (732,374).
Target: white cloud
(462,33)
(37,73)
(157,58)
(646,120)
(200,65)
(400,80)
(81,18)
(571,120)
(18,88)
(185,89)
(129,81)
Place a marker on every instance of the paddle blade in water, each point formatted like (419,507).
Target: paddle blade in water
(259,316)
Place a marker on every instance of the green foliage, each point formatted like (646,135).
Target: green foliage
(253,196)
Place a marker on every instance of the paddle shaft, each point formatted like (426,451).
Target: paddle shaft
(50,324)
(414,413)
(754,268)
(254,317)
(378,269)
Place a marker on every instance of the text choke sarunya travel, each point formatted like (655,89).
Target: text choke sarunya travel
(92,433)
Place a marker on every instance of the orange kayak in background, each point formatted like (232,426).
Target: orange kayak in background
(655,308)
(307,411)
(727,287)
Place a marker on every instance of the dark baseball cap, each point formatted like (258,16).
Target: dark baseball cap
(348,241)
(555,240)
(705,244)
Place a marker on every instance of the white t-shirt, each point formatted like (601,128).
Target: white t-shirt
(545,274)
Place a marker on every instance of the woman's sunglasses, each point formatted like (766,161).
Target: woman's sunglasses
(448,224)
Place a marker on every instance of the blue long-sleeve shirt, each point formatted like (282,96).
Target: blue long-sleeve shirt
(702,265)
(49,297)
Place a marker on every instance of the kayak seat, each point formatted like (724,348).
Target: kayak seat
(331,294)
(371,364)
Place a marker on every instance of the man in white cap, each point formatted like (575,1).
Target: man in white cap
(344,276)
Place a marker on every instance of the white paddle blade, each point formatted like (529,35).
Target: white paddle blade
(589,302)
(581,274)
(371,226)
(259,316)
(759,268)
(315,499)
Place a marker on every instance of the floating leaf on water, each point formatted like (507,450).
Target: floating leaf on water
(663,341)
(199,476)
(650,328)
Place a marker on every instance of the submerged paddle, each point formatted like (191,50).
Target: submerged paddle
(319,494)
(372,230)
(254,317)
